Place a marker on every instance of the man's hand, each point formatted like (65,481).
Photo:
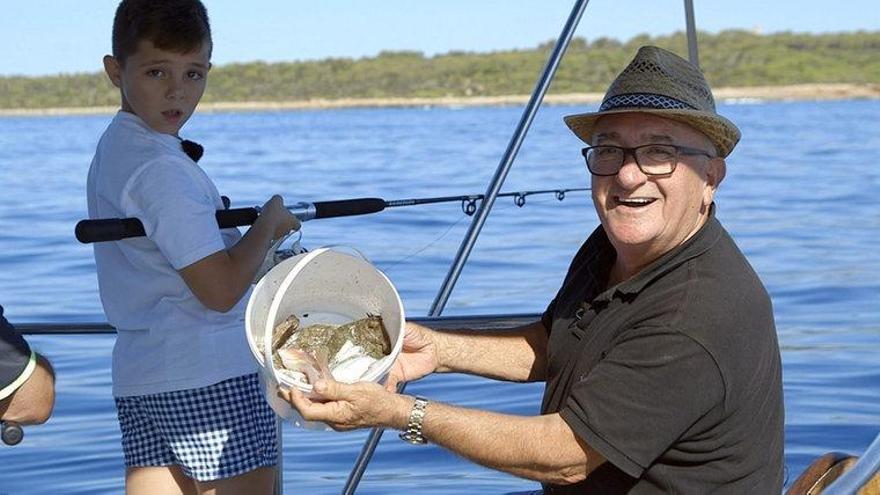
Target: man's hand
(346,407)
(419,356)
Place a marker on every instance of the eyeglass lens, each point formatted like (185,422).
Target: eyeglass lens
(652,159)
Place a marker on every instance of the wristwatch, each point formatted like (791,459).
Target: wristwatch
(413,431)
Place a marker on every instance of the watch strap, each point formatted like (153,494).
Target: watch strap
(413,431)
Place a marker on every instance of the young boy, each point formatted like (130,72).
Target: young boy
(190,407)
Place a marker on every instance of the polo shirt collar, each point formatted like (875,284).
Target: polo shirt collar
(701,242)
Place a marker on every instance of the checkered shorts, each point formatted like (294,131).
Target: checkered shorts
(213,432)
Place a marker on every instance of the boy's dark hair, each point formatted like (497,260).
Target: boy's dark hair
(174,25)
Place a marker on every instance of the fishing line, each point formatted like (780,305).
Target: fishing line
(426,246)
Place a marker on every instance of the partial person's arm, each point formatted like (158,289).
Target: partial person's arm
(220,280)
(541,448)
(32,402)
(515,354)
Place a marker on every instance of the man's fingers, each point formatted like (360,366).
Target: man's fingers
(391,384)
(395,376)
(309,410)
(295,397)
(329,389)
(340,405)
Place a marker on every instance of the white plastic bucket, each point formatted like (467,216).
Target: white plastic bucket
(322,286)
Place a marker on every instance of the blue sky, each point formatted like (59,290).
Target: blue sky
(40,37)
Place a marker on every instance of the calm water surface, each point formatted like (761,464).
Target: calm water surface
(800,198)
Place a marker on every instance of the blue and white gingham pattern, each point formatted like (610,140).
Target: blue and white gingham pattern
(214,432)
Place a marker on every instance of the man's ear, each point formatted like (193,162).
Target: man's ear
(715,171)
(113,70)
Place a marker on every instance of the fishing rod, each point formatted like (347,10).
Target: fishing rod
(115,229)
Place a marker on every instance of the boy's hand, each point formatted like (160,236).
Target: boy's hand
(281,220)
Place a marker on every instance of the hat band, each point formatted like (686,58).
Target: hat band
(643,100)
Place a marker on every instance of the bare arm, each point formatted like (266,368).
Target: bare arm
(221,279)
(32,403)
(541,448)
(517,354)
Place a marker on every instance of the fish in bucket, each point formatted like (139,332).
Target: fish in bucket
(325,311)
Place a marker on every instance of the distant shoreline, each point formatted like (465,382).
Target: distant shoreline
(795,92)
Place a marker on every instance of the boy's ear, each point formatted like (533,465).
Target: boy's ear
(113,70)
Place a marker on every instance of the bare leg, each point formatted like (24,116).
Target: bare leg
(164,480)
(260,481)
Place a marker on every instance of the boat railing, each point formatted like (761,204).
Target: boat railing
(477,322)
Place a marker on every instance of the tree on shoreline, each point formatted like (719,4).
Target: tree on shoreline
(729,58)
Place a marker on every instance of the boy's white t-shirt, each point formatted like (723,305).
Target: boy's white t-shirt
(167,340)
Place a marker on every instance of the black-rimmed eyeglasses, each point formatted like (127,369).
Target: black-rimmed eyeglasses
(652,159)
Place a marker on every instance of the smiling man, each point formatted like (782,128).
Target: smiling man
(650,194)
(659,351)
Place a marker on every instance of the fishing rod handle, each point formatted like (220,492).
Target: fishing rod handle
(347,207)
(116,229)
(11,433)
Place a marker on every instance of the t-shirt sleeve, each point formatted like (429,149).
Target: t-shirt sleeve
(547,317)
(642,396)
(178,212)
(17,360)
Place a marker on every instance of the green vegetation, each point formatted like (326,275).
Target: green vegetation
(729,58)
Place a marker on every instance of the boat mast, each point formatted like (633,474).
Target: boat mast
(470,238)
(693,56)
(519,134)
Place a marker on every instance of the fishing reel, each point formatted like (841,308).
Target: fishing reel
(277,253)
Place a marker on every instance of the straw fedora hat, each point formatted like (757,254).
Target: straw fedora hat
(660,82)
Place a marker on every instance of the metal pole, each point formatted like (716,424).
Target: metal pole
(483,211)
(509,155)
(693,56)
(279,464)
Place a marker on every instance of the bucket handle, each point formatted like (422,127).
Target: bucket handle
(268,365)
(346,247)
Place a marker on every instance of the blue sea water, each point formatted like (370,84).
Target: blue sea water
(800,198)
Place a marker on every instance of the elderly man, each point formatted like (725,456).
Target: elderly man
(659,351)
(27,382)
